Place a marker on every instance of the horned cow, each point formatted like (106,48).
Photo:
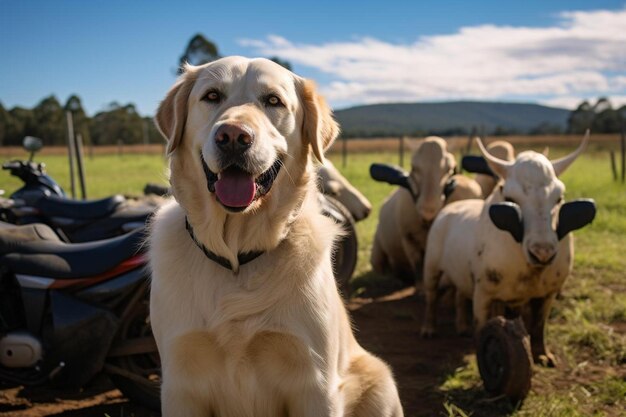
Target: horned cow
(406,215)
(522,266)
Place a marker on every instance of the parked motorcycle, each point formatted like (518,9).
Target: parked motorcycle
(70,311)
(42,200)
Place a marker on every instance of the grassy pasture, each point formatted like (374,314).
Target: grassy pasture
(587,329)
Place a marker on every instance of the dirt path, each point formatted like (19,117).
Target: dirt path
(388,327)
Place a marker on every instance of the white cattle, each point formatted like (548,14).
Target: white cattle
(406,216)
(332,183)
(522,268)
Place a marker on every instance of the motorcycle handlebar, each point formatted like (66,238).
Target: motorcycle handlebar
(390,174)
(476,165)
(12,165)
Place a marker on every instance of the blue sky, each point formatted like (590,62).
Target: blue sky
(553,52)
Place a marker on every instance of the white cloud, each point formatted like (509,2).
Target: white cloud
(583,54)
(618,82)
(617,101)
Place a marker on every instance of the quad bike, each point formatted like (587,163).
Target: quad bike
(42,200)
(503,349)
(71,311)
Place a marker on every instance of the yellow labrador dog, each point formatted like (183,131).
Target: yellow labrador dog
(244,306)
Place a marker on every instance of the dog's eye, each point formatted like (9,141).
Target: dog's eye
(273,101)
(213,96)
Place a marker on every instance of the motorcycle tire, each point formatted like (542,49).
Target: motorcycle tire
(345,252)
(137,376)
(504,358)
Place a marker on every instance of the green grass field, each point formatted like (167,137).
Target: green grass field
(588,324)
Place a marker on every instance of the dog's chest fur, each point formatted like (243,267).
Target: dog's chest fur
(227,332)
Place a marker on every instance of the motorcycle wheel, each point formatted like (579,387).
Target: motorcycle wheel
(345,253)
(137,376)
(504,358)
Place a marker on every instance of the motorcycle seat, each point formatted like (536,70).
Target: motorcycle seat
(81,230)
(53,206)
(11,234)
(56,259)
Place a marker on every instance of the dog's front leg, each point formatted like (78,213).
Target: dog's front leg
(314,402)
(179,403)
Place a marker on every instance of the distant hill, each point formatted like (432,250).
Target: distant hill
(450,118)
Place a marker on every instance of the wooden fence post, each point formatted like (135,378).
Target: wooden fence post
(623,148)
(613,165)
(71,148)
(81,169)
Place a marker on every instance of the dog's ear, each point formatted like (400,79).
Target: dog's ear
(319,128)
(172,112)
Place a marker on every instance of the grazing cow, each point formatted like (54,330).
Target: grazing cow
(332,183)
(514,249)
(406,216)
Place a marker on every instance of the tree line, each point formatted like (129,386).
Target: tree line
(48,121)
(600,117)
(120,123)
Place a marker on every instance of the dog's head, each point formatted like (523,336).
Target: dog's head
(239,130)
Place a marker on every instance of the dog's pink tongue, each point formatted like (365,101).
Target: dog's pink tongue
(235,188)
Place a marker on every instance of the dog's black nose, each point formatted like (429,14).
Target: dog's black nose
(233,139)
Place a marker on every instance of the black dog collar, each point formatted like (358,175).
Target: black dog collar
(243,258)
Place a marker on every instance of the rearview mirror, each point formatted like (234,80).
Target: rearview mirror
(391,175)
(508,217)
(32,145)
(574,215)
(476,165)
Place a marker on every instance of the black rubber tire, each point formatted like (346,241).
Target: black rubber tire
(149,397)
(504,358)
(345,252)
(145,389)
